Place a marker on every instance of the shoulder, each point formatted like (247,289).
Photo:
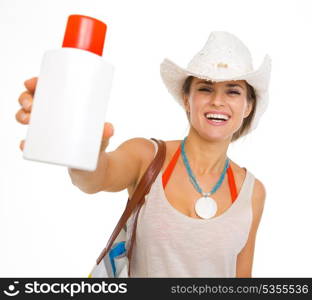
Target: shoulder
(144,150)
(141,147)
(136,142)
(239,174)
(259,191)
(138,146)
(135,152)
(258,201)
(258,197)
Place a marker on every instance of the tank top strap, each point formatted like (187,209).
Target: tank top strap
(248,185)
(232,183)
(170,167)
(173,161)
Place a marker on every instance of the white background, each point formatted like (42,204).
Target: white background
(48,227)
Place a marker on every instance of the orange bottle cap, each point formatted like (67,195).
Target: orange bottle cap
(85,33)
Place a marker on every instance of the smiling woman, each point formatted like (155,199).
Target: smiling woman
(250,93)
(202,226)
(202,210)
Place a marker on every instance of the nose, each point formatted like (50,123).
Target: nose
(217,99)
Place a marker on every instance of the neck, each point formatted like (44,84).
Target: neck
(204,156)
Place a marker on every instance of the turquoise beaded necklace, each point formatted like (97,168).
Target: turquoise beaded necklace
(205,206)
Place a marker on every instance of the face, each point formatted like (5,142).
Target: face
(208,102)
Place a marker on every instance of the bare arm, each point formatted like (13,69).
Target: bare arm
(90,182)
(116,170)
(245,257)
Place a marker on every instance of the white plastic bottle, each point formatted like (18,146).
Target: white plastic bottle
(71,99)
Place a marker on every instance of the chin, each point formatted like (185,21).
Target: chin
(217,137)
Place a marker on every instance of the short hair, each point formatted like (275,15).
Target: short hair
(251,98)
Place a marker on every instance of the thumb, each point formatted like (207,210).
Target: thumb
(108,132)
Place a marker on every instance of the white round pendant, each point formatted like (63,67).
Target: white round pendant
(206,207)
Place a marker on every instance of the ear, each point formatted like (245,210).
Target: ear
(248,109)
(186,102)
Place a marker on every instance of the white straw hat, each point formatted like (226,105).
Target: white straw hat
(223,58)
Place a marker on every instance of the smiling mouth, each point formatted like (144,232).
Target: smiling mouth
(216,118)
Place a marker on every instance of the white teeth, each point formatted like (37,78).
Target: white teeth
(217,116)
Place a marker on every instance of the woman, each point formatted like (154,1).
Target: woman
(202,213)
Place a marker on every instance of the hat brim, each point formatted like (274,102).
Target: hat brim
(174,76)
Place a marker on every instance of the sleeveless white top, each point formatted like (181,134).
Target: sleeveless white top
(171,244)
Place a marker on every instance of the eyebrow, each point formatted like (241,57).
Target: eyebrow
(228,85)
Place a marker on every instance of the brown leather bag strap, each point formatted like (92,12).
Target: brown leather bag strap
(133,235)
(138,196)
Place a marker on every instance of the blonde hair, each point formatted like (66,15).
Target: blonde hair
(251,98)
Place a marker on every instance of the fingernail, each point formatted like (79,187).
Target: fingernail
(26,104)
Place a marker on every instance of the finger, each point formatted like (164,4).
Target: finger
(26,100)
(108,130)
(22,145)
(22,116)
(107,133)
(30,84)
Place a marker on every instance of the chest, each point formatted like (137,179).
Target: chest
(183,231)
(182,195)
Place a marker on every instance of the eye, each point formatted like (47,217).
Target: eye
(205,89)
(234,92)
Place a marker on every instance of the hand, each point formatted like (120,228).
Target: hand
(26,101)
